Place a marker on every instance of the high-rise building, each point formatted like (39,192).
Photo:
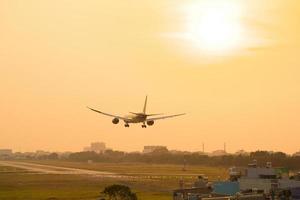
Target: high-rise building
(97,147)
(6,152)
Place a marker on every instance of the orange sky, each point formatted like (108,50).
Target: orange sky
(59,56)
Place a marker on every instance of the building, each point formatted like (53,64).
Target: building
(6,152)
(97,147)
(297,153)
(150,149)
(242,153)
(41,153)
(219,153)
(250,183)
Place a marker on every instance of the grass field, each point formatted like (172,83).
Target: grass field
(139,169)
(15,184)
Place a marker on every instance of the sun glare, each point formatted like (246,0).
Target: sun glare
(214,26)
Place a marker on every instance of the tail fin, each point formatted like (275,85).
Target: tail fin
(145,105)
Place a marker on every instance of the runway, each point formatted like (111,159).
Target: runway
(52,169)
(47,169)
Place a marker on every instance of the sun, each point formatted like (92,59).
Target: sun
(214,26)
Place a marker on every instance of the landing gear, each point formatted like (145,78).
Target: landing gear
(144,126)
(126,125)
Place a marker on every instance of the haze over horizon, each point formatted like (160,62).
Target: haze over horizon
(232,151)
(232,66)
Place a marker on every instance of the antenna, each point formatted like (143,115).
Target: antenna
(203,147)
(224,146)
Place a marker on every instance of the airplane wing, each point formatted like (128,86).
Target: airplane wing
(110,115)
(164,117)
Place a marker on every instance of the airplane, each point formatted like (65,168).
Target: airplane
(140,117)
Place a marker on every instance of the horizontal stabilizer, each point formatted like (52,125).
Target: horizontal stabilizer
(136,113)
(155,114)
(145,114)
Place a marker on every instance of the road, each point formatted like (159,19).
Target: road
(47,169)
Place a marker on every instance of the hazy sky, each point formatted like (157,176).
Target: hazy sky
(232,65)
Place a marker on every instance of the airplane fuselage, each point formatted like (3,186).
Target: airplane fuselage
(139,118)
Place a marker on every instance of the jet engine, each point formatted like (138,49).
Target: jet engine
(150,123)
(115,121)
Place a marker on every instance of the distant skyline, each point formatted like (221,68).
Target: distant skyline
(232,66)
(141,150)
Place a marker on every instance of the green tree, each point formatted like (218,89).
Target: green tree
(119,192)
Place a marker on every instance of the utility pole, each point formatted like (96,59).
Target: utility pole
(184,164)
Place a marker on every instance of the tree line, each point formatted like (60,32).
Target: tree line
(278,159)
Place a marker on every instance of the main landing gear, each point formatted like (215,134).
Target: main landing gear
(126,125)
(144,126)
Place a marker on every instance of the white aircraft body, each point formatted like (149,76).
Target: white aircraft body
(137,117)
